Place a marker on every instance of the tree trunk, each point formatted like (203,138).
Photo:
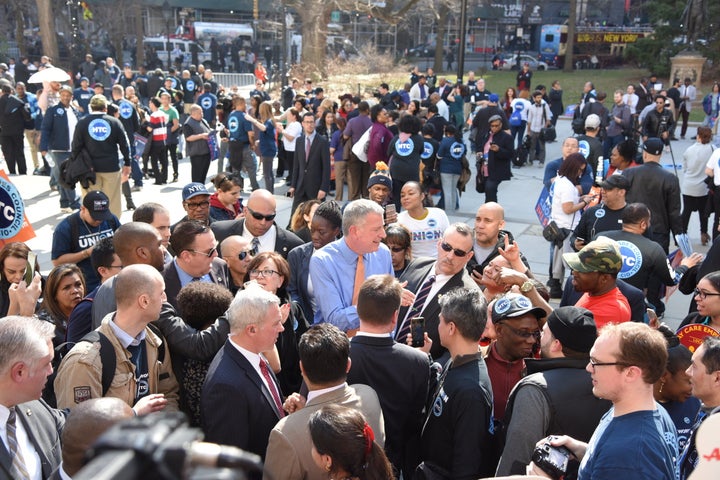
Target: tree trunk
(315,16)
(572,19)
(46,23)
(440,38)
(19,38)
(139,35)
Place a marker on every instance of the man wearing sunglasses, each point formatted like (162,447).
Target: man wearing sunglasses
(635,438)
(259,226)
(236,251)
(196,202)
(196,261)
(430,279)
(556,395)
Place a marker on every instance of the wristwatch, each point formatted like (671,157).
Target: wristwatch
(527,286)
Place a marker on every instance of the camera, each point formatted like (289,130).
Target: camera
(552,460)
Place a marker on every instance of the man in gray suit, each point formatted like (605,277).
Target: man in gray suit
(324,362)
(30,446)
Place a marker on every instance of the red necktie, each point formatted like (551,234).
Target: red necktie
(271,385)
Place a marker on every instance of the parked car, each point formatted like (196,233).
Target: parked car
(425,50)
(511,62)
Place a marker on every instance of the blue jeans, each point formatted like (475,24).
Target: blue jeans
(449,190)
(68,197)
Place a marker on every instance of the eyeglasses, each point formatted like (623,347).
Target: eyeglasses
(119,267)
(260,216)
(449,248)
(523,333)
(208,254)
(263,273)
(703,295)
(397,249)
(594,364)
(193,206)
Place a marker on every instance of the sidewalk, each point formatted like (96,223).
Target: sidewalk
(518,197)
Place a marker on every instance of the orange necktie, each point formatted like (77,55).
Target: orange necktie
(359,278)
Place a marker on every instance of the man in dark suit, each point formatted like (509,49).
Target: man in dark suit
(455,249)
(26,344)
(497,147)
(311,169)
(398,373)
(264,234)
(196,260)
(240,373)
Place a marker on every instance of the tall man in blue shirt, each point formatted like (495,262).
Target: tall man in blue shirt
(241,135)
(338,270)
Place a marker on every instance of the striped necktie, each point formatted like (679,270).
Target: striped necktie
(18,462)
(416,308)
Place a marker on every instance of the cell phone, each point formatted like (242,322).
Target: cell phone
(478,269)
(390,208)
(30,269)
(417,328)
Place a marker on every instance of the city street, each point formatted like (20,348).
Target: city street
(518,196)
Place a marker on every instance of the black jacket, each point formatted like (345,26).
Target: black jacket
(101,135)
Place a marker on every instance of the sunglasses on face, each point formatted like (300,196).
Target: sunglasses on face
(260,216)
(449,248)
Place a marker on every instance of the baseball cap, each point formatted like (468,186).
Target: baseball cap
(193,190)
(98,204)
(513,305)
(3,66)
(592,121)
(84,79)
(574,327)
(493,98)
(601,255)
(654,146)
(615,181)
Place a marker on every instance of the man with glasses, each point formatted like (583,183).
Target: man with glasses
(430,279)
(518,324)
(556,395)
(704,375)
(236,251)
(196,260)
(311,170)
(635,438)
(196,202)
(259,226)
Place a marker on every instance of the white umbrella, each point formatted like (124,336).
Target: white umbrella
(50,74)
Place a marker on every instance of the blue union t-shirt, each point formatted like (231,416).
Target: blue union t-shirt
(640,445)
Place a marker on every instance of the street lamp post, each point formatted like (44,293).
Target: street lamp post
(167,14)
(461,46)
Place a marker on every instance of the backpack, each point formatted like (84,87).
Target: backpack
(107,355)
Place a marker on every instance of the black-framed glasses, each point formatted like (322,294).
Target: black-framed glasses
(523,333)
(193,206)
(207,254)
(263,273)
(260,216)
(593,364)
(449,248)
(703,295)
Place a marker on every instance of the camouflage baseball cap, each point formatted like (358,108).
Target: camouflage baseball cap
(601,255)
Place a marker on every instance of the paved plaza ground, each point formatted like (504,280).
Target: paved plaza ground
(517,196)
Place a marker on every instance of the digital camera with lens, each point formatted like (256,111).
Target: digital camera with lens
(552,460)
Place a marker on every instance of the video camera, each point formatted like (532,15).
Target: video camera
(162,446)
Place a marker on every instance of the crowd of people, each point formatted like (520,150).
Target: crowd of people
(375,339)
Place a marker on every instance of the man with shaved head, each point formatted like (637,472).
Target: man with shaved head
(491,239)
(85,424)
(236,252)
(259,226)
(143,375)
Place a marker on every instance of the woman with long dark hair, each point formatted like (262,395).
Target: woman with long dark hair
(225,203)
(344,445)
(13,263)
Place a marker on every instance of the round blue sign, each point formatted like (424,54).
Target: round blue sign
(427,151)
(631,259)
(405,148)
(457,150)
(11,209)
(190,86)
(206,103)
(233,124)
(584,148)
(126,109)
(99,129)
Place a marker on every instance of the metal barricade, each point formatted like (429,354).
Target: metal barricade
(231,79)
